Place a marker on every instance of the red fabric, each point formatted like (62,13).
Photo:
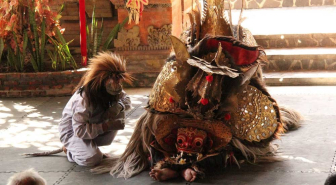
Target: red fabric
(82,22)
(240,55)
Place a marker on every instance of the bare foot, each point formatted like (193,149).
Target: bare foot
(163,174)
(106,156)
(64,149)
(189,174)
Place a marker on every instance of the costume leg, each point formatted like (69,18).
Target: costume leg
(106,138)
(83,152)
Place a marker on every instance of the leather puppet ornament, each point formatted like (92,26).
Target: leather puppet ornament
(135,9)
(208,104)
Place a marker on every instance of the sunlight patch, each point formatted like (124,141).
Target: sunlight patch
(298,159)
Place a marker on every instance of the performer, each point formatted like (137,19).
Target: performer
(95,112)
(208,108)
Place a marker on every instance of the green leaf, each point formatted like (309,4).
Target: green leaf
(16,55)
(10,58)
(111,36)
(123,23)
(25,42)
(36,38)
(2,46)
(61,9)
(93,22)
(42,43)
(100,34)
(34,64)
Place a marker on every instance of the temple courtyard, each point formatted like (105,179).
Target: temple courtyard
(31,124)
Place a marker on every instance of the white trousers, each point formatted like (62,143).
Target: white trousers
(85,152)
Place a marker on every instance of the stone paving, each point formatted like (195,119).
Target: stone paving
(30,124)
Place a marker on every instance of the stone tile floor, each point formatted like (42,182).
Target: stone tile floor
(30,124)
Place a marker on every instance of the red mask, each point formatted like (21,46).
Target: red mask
(190,140)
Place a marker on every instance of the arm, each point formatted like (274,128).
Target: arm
(80,121)
(116,113)
(125,101)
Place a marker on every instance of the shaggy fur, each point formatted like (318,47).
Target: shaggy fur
(135,158)
(28,177)
(100,69)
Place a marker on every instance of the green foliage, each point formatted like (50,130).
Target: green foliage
(95,34)
(15,58)
(61,56)
(24,27)
(113,34)
(2,46)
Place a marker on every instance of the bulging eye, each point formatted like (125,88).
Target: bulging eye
(180,139)
(198,142)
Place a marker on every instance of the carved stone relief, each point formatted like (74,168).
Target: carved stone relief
(128,39)
(158,39)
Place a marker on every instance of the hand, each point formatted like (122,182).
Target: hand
(115,124)
(118,124)
(113,111)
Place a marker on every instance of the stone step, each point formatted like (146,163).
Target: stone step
(296,40)
(310,78)
(304,59)
(293,20)
(293,27)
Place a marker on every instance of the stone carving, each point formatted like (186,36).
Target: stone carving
(158,39)
(128,38)
(301,64)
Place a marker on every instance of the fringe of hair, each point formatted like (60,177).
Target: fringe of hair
(257,154)
(135,157)
(290,118)
(100,68)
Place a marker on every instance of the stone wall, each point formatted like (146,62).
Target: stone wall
(39,84)
(297,40)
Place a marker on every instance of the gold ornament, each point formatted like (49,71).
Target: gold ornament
(255,118)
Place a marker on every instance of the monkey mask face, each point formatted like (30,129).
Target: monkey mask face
(113,84)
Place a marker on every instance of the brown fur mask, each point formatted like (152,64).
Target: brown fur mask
(105,70)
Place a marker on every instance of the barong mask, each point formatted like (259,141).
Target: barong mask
(190,140)
(204,88)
